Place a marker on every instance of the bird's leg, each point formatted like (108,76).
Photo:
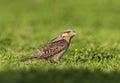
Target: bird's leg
(54,60)
(58,62)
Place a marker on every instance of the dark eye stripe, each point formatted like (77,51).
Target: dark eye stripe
(67,32)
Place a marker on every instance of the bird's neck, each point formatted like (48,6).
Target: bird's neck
(68,39)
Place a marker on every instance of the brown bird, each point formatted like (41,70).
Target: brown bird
(54,49)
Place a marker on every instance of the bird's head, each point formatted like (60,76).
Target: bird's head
(68,34)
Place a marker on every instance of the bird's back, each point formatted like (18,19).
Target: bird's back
(52,48)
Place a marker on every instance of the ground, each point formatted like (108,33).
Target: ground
(94,53)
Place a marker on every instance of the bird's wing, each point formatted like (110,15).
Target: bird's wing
(52,48)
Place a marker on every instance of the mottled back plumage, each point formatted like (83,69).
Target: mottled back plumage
(54,49)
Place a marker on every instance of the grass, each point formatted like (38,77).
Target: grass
(94,54)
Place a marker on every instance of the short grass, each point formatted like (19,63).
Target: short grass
(94,54)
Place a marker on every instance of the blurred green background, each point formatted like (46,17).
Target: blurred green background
(60,13)
(93,57)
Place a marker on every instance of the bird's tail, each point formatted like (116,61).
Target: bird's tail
(27,58)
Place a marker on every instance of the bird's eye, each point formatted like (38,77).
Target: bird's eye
(63,36)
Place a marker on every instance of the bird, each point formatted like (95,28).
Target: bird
(54,49)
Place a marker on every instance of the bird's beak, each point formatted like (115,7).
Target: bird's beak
(74,33)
